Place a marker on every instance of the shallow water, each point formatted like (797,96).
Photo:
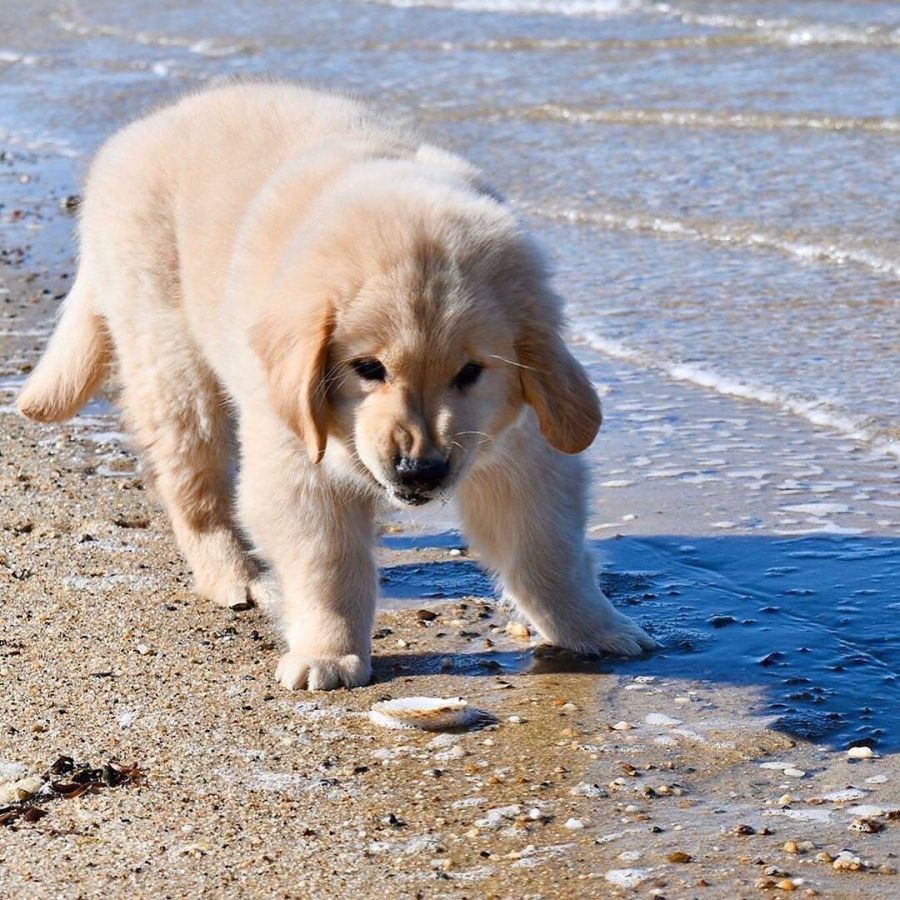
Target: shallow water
(717,185)
(791,616)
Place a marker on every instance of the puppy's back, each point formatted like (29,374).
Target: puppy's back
(175,184)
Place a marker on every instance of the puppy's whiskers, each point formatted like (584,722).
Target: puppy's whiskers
(512,362)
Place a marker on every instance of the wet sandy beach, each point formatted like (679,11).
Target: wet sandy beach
(721,209)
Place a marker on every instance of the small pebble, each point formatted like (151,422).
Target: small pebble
(786,884)
(866,826)
(573,824)
(515,720)
(845,861)
(679,856)
(622,726)
(517,630)
(860,753)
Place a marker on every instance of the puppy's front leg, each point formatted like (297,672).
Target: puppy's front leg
(319,537)
(524,512)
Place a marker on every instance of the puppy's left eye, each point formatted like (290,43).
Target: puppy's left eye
(467,375)
(369,369)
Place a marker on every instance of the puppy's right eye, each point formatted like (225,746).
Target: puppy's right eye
(369,369)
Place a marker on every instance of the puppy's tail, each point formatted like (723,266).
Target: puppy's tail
(74,363)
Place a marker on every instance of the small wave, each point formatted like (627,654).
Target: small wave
(782,32)
(587,8)
(702,119)
(736,39)
(816,411)
(11,57)
(786,31)
(212,48)
(733,234)
(39,143)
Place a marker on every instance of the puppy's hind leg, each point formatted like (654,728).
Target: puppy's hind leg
(524,513)
(175,410)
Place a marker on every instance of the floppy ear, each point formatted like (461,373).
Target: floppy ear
(555,384)
(294,354)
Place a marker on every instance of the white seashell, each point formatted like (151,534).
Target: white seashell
(428,713)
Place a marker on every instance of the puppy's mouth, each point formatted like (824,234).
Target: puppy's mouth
(409,498)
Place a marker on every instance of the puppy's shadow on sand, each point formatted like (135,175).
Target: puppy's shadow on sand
(812,621)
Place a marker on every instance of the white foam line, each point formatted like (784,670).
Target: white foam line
(597,9)
(212,48)
(814,411)
(736,234)
(676,42)
(786,31)
(696,118)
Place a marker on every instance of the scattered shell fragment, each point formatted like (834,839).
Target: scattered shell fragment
(866,826)
(622,726)
(627,878)
(23,789)
(844,795)
(428,713)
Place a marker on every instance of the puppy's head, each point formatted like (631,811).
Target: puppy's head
(425,326)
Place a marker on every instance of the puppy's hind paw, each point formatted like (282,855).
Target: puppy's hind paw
(297,670)
(239,594)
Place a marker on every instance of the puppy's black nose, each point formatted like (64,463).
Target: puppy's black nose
(422,474)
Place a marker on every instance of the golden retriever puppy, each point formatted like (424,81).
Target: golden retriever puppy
(380,327)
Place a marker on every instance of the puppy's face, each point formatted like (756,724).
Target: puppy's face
(423,380)
(423,355)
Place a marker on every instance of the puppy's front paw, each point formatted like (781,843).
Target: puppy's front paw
(620,636)
(321,673)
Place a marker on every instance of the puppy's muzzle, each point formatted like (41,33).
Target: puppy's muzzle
(416,478)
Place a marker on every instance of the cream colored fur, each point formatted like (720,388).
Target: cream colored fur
(252,249)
